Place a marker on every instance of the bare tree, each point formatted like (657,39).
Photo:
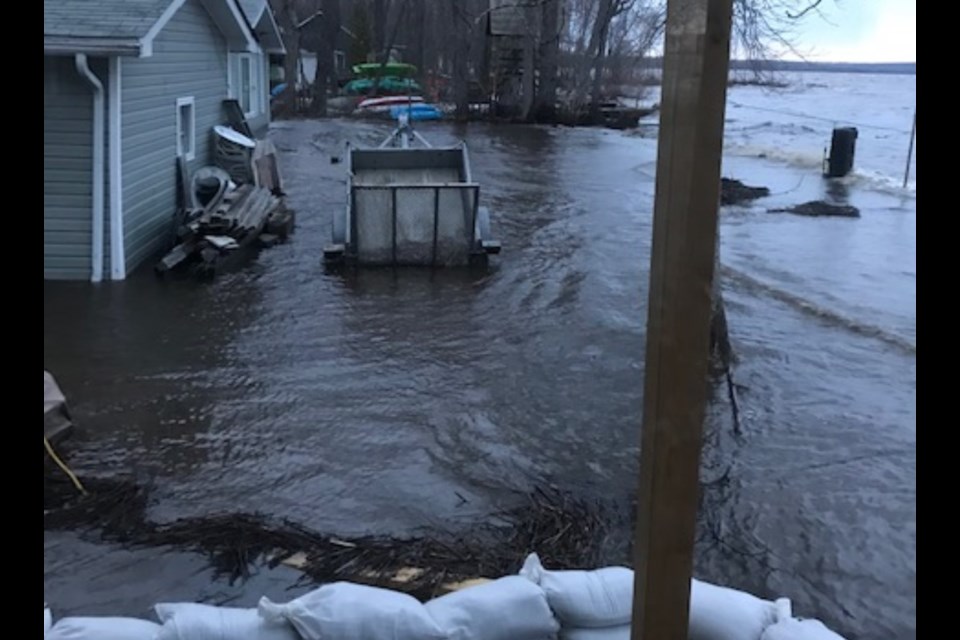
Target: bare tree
(575,51)
(380,10)
(545,104)
(323,40)
(286,13)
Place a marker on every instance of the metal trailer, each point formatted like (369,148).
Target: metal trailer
(410,206)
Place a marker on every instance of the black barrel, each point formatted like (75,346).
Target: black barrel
(843,144)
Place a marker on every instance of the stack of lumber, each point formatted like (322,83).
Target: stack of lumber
(230,224)
(240,212)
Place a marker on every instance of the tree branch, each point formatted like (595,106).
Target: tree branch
(810,7)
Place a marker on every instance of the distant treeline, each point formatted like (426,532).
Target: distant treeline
(901,68)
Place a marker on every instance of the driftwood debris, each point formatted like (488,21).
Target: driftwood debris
(735,192)
(567,531)
(817,208)
(233,223)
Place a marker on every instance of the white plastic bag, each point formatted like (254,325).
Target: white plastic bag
(585,599)
(610,633)
(355,612)
(191,621)
(105,628)
(786,627)
(511,608)
(718,613)
(794,629)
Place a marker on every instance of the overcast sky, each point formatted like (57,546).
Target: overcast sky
(860,31)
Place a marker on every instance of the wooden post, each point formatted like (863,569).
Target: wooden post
(695,67)
(913,136)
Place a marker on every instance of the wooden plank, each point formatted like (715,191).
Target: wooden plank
(224,217)
(696,62)
(176,256)
(255,215)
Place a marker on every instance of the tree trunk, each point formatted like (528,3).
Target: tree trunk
(291,63)
(461,58)
(417,29)
(546,101)
(380,28)
(529,77)
(326,72)
(604,16)
(385,54)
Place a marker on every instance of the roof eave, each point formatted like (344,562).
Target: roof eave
(69,45)
(268,33)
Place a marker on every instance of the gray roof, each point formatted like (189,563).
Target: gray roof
(101,19)
(252,10)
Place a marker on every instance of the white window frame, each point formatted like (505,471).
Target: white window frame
(191,152)
(235,84)
(263,83)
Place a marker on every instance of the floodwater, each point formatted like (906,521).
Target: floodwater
(371,402)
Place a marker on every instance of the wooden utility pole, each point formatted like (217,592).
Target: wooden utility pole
(695,66)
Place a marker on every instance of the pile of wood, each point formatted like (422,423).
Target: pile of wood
(240,213)
(234,222)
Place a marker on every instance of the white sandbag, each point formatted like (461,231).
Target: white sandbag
(718,613)
(191,621)
(795,629)
(610,633)
(47,618)
(105,628)
(354,611)
(585,599)
(511,608)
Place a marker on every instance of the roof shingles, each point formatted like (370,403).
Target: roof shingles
(107,19)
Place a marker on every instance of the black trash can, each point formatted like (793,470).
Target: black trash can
(843,144)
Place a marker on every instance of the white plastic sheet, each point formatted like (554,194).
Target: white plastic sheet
(787,627)
(799,630)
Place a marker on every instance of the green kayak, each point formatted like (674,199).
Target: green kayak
(373,69)
(388,84)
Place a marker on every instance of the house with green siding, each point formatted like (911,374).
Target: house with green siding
(128,87)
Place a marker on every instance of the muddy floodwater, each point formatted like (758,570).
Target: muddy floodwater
(389,401)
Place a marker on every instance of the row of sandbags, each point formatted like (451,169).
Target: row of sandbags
(538,604)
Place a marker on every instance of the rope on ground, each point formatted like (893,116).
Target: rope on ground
(63,466)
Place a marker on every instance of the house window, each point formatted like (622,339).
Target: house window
(245,75)
(186,128)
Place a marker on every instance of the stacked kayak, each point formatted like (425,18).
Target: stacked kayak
(417,111)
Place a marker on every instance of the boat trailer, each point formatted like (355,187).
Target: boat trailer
(410,206)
